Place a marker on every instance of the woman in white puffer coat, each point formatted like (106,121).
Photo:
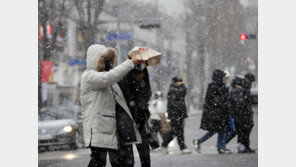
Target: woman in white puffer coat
(99,96)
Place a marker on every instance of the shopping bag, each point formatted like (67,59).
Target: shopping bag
(150,56)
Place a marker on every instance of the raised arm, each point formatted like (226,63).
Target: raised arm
(97,80)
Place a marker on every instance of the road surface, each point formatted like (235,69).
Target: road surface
(208,158)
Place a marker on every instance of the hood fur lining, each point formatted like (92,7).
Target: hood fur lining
(109,55)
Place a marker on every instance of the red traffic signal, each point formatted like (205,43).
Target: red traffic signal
(243,37)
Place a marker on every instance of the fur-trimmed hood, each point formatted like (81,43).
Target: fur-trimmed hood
(107,60)
(97,55)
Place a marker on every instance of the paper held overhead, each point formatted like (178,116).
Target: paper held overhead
(151,56)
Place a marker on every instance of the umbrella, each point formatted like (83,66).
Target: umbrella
(151,56)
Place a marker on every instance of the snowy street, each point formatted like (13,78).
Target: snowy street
(208,158)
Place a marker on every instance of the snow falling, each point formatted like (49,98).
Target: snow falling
(195,37)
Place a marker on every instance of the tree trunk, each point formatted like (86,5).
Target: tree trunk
(202,76)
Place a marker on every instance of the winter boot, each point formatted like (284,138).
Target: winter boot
(248,150)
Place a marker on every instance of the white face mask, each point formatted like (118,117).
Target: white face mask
(225,79)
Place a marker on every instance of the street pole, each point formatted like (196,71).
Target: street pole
(119,58)
(160,77)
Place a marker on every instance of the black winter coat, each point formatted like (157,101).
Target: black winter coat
(240,103)
(215,115)
(176,106)
(137,95)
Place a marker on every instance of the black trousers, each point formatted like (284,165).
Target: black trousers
(99,157)
(127,155)
(178,131)
(243,137)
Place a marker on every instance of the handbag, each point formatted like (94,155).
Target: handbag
(165,126)
(152,138)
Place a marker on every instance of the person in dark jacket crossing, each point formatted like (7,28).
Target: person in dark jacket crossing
(241,111)
(249,123)
(215,117)
(177,112)
(249,79)
(136,89)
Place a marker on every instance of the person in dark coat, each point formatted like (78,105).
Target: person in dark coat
(230,129)
(177,112)
(241,111)
(137,92)
(249,79)
(215,117)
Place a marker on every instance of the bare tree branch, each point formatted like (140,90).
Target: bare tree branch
(80,11)
(88,20)
(98,10)
(60,25)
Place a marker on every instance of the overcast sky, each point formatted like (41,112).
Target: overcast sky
(171,6)
(176,6)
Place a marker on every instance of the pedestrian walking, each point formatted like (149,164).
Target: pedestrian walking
(249,79)
(157,112)
(177,112)
(230,130)
(100,94)
(241,110)
(215,117)
(137,92)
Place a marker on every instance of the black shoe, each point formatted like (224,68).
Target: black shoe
(248,150)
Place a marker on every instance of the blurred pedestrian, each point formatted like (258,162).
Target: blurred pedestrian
(215,117)
(177,112)
(240,108)
(100,95)
(137,92)
(249,79)
(230,130)
(157,112)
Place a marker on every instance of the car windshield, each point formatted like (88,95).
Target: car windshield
(55,114)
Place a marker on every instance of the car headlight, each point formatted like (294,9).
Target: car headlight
(68,129)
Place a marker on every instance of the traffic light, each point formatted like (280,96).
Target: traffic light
(243,37)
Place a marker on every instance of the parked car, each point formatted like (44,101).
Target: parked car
(58,126)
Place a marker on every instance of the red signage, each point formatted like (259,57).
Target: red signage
(46,72)
(49,30)
(41,32)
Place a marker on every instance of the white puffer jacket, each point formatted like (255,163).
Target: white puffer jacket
(156,108)
(98,90)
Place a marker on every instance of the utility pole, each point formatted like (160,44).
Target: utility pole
(117,9)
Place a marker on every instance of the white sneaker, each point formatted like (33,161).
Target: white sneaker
(227,151)
(240,147)
(185,151)
(164,150)
(155,150)
(196,145)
